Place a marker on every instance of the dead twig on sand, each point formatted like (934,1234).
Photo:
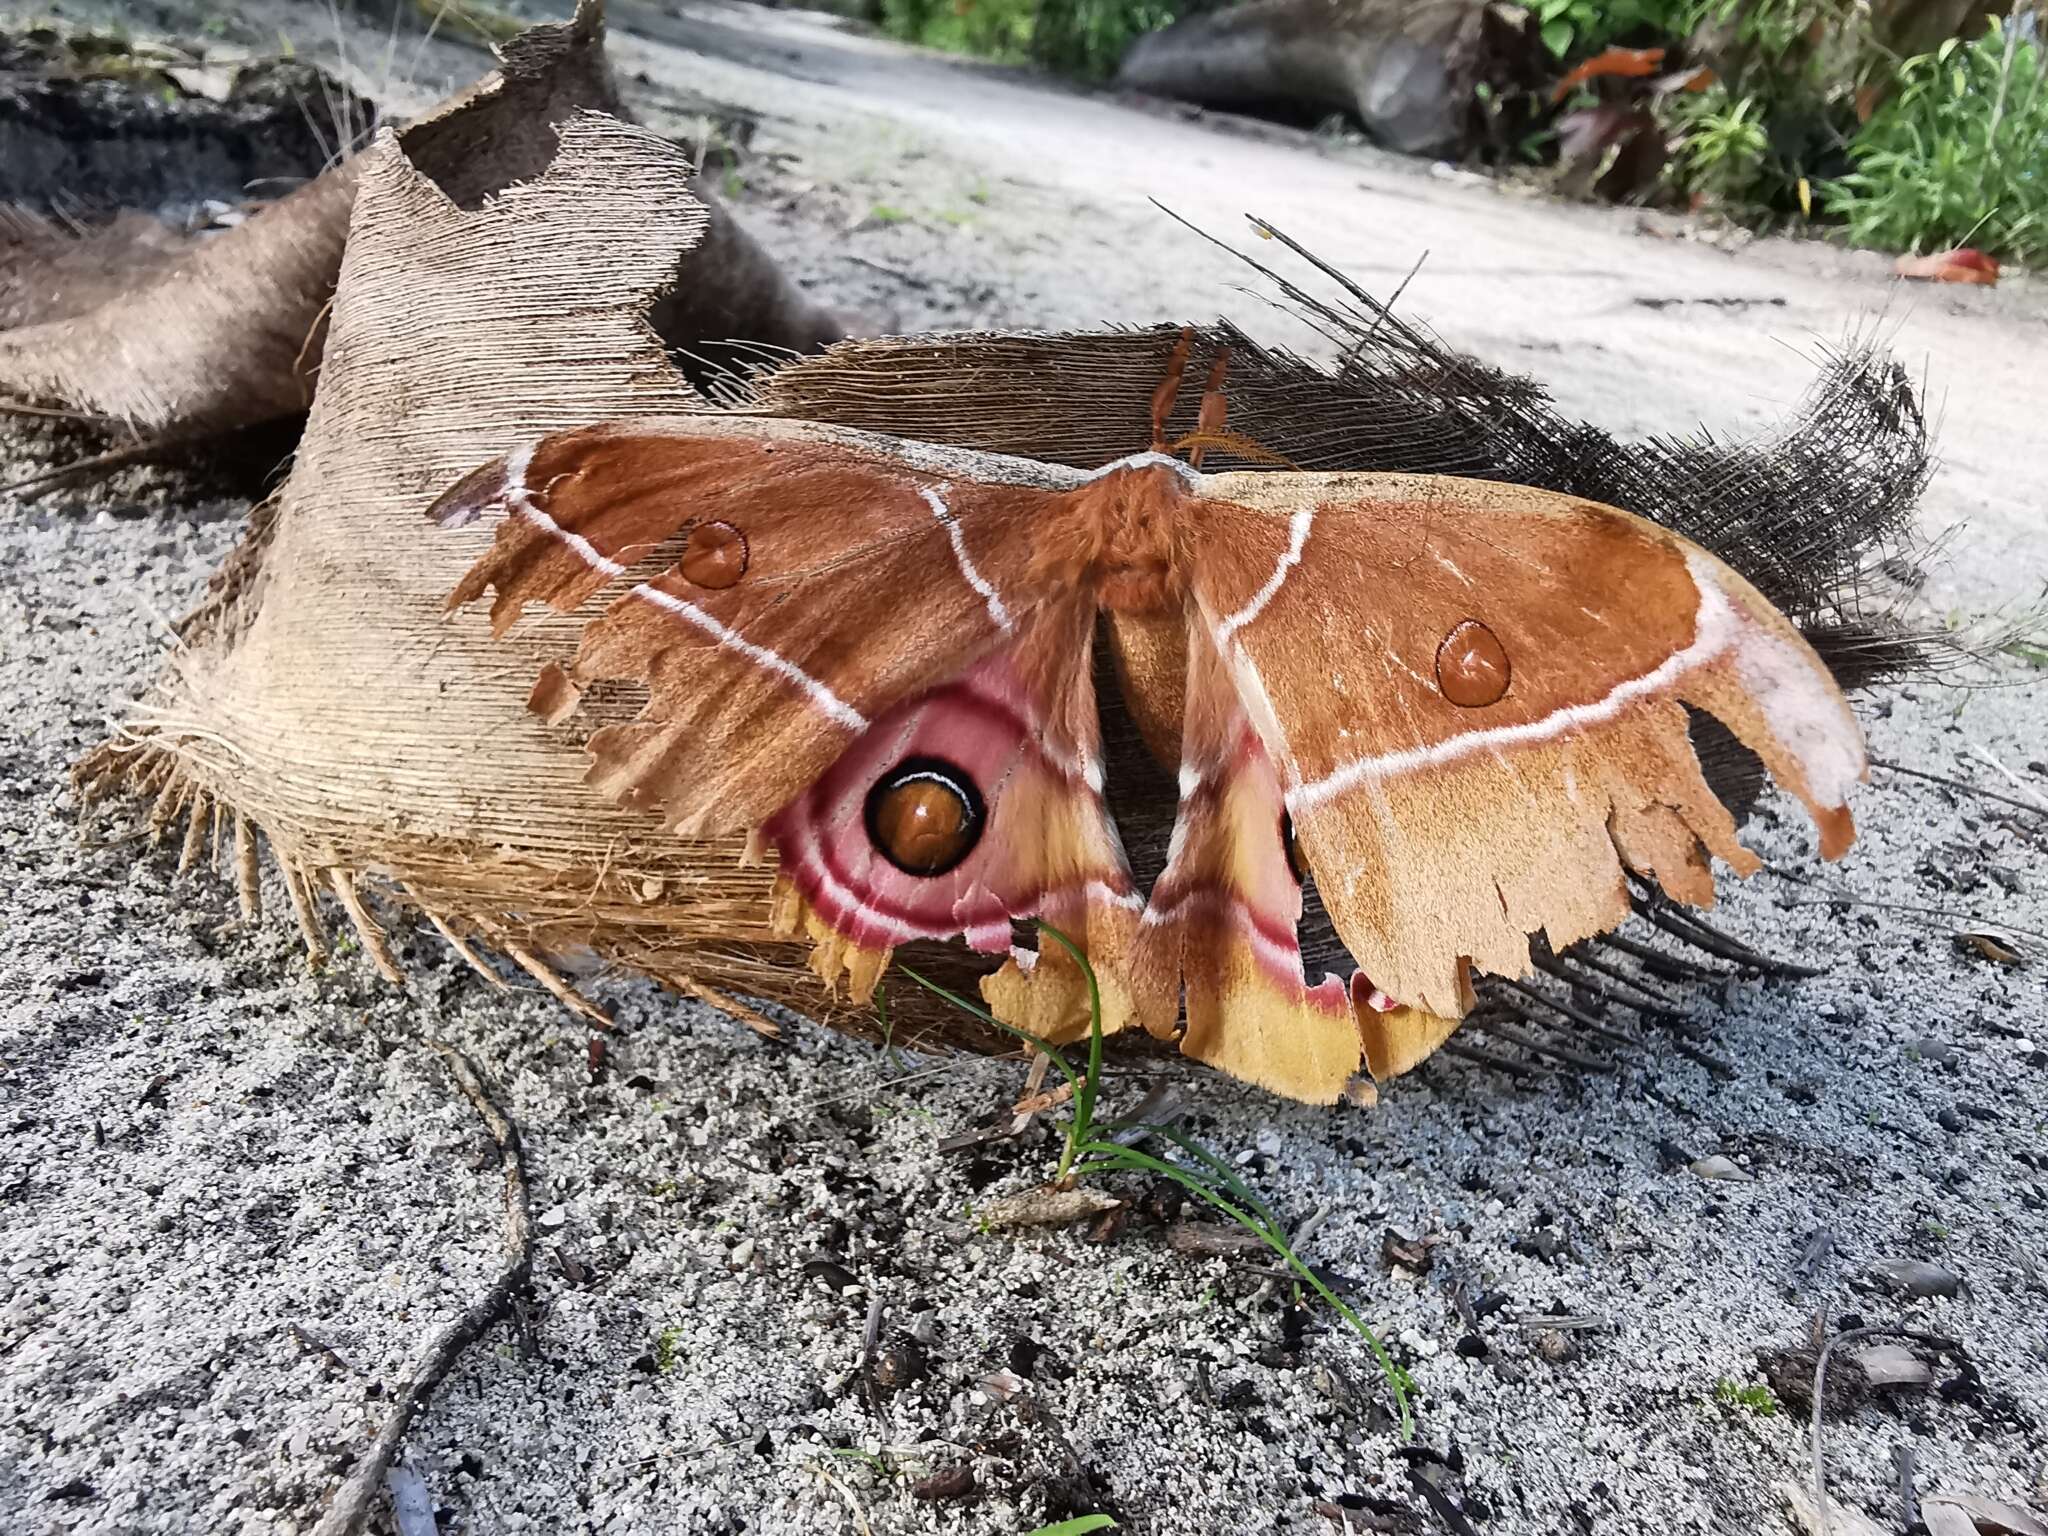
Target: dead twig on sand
(1962,786)
(1441,1504)
(351,1509)
(871,1336)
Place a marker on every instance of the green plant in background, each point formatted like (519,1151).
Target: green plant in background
(993,29)
(1719,146)
(1778,117)
(667,1349)
(1088,38)
(1579,28)
(1958,154)
(1082,38)
(1085,1151)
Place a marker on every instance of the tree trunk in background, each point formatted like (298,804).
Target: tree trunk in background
(1910,27)
(1405,70)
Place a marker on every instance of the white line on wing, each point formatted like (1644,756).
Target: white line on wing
(1297,538)
(944,514)
(834,707)
(1715,628)
(585,550)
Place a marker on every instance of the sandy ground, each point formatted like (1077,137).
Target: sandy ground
(236,1198)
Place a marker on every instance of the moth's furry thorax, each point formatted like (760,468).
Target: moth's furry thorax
(1123,536)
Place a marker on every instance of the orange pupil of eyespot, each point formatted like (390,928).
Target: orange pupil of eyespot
(923,825)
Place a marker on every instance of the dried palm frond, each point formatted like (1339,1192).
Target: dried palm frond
(202,337)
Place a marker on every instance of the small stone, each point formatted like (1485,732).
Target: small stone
(554,1217)
(1556,1346)
(742,1253)
(1724,1169)
(1894,1365)
(1950,1120)
(1916,1277)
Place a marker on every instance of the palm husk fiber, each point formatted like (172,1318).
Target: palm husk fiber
(194,338)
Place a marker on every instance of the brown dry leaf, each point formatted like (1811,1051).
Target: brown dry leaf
(202,338)
(217,337)
(1991,946)
(1962,265)
(1046,1206)
(340,581)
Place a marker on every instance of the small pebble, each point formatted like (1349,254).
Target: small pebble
(1916,1277)
(1556,1346)
(1724,1169)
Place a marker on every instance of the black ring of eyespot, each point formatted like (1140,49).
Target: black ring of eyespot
(1287,848)
(928,770)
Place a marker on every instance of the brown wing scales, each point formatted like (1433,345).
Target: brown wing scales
(1452,805)
(817,582)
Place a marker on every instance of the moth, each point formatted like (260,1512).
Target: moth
(1456,708)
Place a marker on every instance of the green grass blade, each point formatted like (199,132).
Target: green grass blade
(1090,1084)
(1225,1174)
(1059,1060)
(1108,1155)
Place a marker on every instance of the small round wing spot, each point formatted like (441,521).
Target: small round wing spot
(1472,666)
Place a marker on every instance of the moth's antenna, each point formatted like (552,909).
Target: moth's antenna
(1169,387)
(1215,409)
(1233,443)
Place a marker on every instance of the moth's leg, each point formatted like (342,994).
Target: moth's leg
(1169,387)
(1214,408)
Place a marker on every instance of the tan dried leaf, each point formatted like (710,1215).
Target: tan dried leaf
(1046,1206)
(1991,946)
